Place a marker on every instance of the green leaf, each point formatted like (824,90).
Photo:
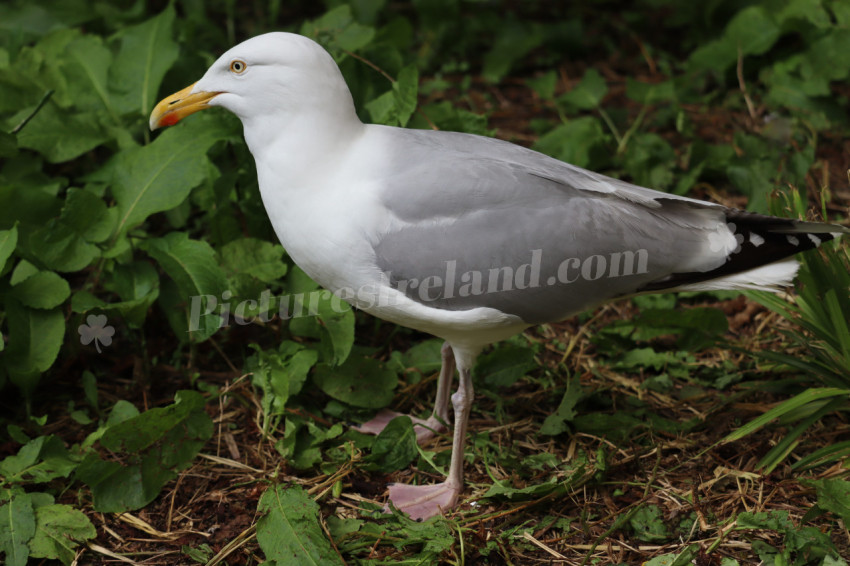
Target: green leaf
(87,71)
(834,496)
(320,314)
(61,136)
(257,258)
(504,366)
(556,423)
(192,264)
(405,91)
(751,32)
(281,373)
(501,489)
(395,447)
(684,558)
(59,531)
(587,94)
(17,527)
(360,381)
(59,248)
(648,524)
(289,532)
(697,328)
(35,337)
(513,42)
(395,107)
(40,460)
(159,176)
(147,52)
(650,93)
(8,242)
(572,142)
(43,290)
(425,357)
(772,520)
(8,145)
(88,215)
(156,445)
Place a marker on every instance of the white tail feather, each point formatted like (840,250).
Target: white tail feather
(771,277)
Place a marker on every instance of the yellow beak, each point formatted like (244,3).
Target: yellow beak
(174,108)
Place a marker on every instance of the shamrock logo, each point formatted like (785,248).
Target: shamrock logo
(96,330)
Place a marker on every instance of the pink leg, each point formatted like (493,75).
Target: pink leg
(424,501)
(425,428)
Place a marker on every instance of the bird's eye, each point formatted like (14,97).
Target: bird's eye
(238,67)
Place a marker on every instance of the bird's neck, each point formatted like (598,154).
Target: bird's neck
(300,145)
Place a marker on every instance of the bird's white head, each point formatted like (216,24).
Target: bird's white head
(270,79)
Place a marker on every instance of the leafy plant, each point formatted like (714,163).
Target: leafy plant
(819,312)
(127,258)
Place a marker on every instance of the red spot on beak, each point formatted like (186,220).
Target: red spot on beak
(170,119)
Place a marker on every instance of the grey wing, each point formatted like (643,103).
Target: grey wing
(481,224)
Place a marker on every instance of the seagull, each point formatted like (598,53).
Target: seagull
(468,238)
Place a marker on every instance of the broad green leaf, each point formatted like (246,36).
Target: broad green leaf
(751,32)
(395,106)
(40,460)
(587,94)
(360,381)
(88,215)
(159,176)
(503,489)
(322,315)
(834,496)
(684,558)
(137,284)
(406,90)
(337,30)
(257,258)
(447,116)
(59,531)
(192,264)
(753,29)
(289,532)
(395,447)
(8,145)
(650,93)
(341,527)
(155,445)
(43,290)
(697,328)
(62,135)
(23,270)
(572,142)
(556,423)
(777,520)
(58,246)
(87,71)
(17,527)
(544,85)
(35,336)
(281,374)
(424,358)
(147,53)
(648,524)
(8,242)
(504,366)
(514,41)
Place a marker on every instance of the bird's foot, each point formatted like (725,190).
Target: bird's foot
(425,428)
(423,501)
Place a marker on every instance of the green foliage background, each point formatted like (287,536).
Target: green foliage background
(100,217)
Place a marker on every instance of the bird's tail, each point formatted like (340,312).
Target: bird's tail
(760,261)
